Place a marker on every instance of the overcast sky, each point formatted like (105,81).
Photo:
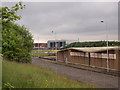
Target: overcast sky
(70,20)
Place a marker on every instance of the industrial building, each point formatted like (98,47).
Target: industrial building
(50,45)
(55,44)
(40,46)
(92,56)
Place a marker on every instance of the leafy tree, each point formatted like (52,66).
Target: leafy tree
(10,14)
(16,40)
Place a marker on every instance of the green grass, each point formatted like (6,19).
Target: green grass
(18,75)
(41,53)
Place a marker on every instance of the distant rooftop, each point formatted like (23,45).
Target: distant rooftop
(56,41)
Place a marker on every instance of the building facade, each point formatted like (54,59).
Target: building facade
(56,44)
(40,46)
(94,56)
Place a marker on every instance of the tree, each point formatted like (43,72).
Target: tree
(10,14)
(93,44)
(17,41)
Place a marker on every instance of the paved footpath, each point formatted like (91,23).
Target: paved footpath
(88,77)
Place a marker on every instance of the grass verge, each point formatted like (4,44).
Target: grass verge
(18,75)
(42,53)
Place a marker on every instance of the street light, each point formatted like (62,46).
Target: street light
(38,45)
(102,21)
(55,44)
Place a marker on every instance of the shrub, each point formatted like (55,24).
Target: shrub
(16,40)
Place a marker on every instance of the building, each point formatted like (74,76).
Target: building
(56,44)
(92,56)
(40,46)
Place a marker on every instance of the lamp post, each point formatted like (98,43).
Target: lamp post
(102,21)
(38,46)
(55,45)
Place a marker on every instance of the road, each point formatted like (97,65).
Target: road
(98,79)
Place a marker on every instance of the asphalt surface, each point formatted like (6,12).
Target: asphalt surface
(98,79)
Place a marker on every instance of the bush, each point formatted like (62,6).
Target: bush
(16,42)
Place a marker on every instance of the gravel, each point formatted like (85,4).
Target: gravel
(98,79)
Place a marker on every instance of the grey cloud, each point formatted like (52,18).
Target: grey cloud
(69,19)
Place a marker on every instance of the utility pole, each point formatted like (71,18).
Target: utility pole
(78,39)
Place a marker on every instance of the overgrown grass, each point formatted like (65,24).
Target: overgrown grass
(18,75)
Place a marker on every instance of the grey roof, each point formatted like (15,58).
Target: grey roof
(92,49)
(56,41)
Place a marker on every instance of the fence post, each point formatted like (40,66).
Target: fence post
(89,58)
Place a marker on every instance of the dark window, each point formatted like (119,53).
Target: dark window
(50,44)
(60,44)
